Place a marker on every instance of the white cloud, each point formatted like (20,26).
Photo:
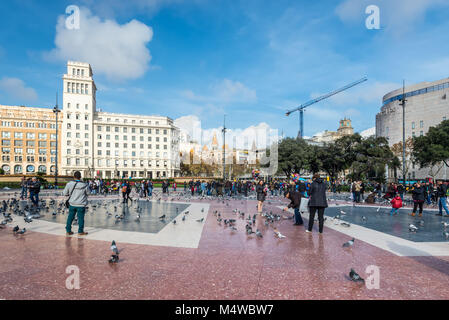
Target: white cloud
(118,51)
(399,16)
(242,138)
(234,91)
(17,89)
(368,132)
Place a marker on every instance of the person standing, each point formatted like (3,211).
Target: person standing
(24,185)
(396,204)
(126,190)
(295,203)
(317,202)
(442,196)
(77,192)
(418,198)
(35,188)
(261,195)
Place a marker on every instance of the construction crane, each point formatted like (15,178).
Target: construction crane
(302,107)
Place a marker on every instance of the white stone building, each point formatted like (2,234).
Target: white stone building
(111,145)
(427,106)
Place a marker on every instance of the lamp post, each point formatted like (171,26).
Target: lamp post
(224,148)
(402,103)
(56,111)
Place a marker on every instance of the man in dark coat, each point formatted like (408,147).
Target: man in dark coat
(295,203)
(418,198)
(317,202)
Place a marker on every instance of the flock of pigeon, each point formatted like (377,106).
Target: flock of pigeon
(111,206)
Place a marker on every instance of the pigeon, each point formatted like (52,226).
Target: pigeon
(21,231)
(348,244)
(183,218)
(445,224)
(364,219)
(355,276)
(16,228)
(412,228)
(342,212)
(174,221)
(233,228)
(345,224)
(421,223)
(259,234)
(200,220)
(446,234)
(114,247)
(114,258)
(162,217)
(278,234)
(28,219)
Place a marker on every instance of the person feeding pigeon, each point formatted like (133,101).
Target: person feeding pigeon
(396,204)
(77,192)
(295,202)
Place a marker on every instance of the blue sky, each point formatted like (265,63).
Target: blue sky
(249,59)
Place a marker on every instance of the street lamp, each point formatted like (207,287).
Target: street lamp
(56,111)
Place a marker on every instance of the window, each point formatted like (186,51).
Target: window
(78,127)
(42,136)
(421,124)
(413,125)
(31,136)
(18,143)
(18,135)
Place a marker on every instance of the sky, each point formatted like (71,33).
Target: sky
(251,60)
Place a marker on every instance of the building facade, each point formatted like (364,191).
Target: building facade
(111,145)
(427,105)
(344,129)
(28,140)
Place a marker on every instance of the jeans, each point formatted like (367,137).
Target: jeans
(313,210)
(298,218)
(34,196)
(402,196)
(80,211)
(393,210)
(24,192)
(429,198)
(442,204)
(150,192)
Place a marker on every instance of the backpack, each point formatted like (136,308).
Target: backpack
(124,188)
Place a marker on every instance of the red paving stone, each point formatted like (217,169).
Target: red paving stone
(226,265)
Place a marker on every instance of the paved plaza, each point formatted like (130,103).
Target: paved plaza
(203,259)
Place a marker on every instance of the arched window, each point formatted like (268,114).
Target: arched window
(6,168)
(30,168)
(18,169)
(42,169)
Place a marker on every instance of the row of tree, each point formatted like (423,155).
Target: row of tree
(365,158)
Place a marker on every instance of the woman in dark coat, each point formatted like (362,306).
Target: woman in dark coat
(261,194)
(317,202)
(418,198)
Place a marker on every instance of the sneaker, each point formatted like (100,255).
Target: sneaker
(69,233)
(308,231)
(439,214)
(420,215)
(83,234)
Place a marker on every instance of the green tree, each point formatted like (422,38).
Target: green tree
(293,156)
(432,149)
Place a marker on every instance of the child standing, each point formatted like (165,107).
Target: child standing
(396,204)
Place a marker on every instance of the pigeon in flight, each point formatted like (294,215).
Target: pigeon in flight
(355,276)
(348,244)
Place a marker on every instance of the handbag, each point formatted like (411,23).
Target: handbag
(67,204)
